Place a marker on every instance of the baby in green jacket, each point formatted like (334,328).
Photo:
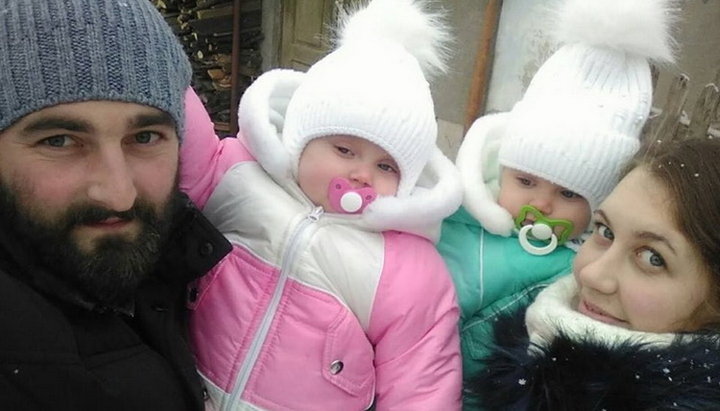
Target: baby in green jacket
(533,176)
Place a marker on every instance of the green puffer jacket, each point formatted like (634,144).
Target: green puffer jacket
(492,275)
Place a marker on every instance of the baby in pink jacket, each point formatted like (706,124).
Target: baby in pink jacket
(334,296)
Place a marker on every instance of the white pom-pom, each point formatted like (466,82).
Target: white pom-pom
(407,22)
(640,27)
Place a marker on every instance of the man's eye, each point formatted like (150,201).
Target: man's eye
(146,137)
(56,141)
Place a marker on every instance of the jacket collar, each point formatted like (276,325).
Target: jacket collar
(552,313)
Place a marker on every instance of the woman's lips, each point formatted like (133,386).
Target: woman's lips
(595,312)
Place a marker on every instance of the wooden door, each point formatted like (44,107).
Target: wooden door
(305,31)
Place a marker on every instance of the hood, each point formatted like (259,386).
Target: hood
(479,168)
(477,162)
(261,117)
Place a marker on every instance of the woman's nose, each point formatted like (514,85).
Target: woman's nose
(599,273)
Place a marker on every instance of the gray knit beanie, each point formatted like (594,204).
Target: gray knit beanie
(65,51)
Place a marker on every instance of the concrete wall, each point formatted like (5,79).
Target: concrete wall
(521,47)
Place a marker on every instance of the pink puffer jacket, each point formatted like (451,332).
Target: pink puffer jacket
(315,310)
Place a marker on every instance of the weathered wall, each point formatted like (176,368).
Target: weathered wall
(521,47)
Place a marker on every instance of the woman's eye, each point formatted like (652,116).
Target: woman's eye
(604,231)
(651,257)
(387,167)
(570,194)
(56,141)
(146,137)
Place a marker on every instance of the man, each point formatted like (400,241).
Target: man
(96,242)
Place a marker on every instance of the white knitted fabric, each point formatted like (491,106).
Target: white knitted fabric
(581,117)
(372,87)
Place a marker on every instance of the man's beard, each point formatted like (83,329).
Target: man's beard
(111,272)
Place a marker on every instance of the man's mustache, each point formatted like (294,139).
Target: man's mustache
(81,215)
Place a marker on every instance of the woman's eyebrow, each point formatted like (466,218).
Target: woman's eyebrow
(648,235)
(602,215)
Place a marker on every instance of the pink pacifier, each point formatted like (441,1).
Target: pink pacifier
(345,199)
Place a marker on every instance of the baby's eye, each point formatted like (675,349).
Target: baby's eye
(524,181)
(569,194)
(387,167)
(604,231)
(651,258)
(343,150)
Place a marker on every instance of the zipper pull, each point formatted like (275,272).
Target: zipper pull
(316,213)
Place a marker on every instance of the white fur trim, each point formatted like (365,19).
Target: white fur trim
(554,311)
(640,27)
(481,142)
(437,195)
(261,115)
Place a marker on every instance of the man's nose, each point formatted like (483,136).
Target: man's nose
(112,183)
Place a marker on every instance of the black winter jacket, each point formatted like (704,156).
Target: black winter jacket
(582,374)
(61,352)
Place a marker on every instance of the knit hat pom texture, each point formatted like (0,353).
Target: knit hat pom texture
(582,115)
(374,86)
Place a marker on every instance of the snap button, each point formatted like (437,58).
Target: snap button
(161,308)
(193,294)
(336,367)
(206,249)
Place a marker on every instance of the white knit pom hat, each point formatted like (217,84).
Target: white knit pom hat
(374,87)
(581,117)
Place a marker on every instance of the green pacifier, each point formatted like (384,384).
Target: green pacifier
(542,229)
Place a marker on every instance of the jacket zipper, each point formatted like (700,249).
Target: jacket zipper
(288,258)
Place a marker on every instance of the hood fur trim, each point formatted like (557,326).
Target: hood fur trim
(261,116)
(479,171)
(437,195)
(579,373)
(553,313)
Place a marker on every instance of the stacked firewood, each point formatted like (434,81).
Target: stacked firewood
(206,29)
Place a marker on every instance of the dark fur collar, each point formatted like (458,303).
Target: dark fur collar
(577,374)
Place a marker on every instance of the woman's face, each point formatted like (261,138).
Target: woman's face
(638,271)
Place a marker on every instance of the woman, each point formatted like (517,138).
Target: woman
(636,325)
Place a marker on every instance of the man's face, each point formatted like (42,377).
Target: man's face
(89,188)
